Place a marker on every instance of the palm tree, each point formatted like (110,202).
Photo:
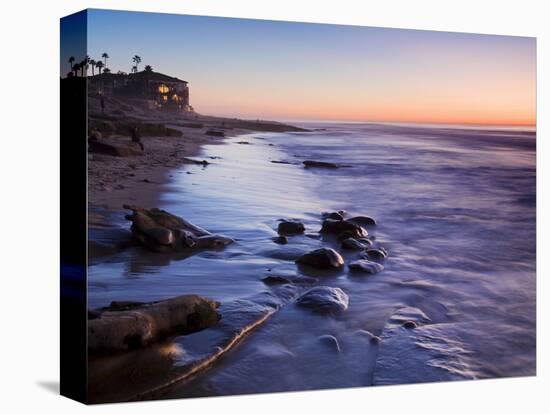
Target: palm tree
(137,60)
(148,68)
(71,61)
(92,64)
(76,68)
(105,56)
(99,65)
(106,70)
(82,67)
(134,69)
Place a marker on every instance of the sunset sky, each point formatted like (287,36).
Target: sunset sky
(299,71)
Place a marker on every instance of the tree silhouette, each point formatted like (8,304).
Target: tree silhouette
(82,65)
(71,61)
(106,70)
(148,68)
(92,64)
(134,69)
(105,56)
(76,68)
(137,60)
(99,65)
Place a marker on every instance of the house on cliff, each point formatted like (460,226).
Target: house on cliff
(158,90)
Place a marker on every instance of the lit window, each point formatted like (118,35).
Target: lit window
(163,88)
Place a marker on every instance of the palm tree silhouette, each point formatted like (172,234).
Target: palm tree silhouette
(137,60)
(92,64)
(148,68)
(71,61)
(76,68)
(82,65)
(105,56)
(99,65)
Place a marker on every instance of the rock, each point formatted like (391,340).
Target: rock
(161,231)
(291,227)
(363,220)
(339,227)
(243,143)
(376,254)
(215,133)
(280,162)
(324,258)
(352,244)
(197,162)
(366,266)
(131,325)
(330,341)
(283,280)
(335,215)
(409,325)
(319,164)
(324,299)
(280,240)
(114,150)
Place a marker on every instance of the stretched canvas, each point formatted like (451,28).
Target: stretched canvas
(253,206)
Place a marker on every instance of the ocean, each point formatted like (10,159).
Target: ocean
(455,208)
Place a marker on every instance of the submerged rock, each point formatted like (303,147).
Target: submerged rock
(330,341)
(283,280)
(366,266)
(324,258)
(161,231)
(129,325)
(376,254)
(353,244)
(324,299)
(280,240)
(319,164)
(291,227)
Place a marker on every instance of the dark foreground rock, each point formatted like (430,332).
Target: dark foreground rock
(366,266)
(324,258)
(324,299)
(130,325)
(289,227)
(160,231)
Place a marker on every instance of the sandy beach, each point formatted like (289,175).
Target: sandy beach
(139,178)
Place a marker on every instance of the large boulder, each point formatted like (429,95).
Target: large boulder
(161,231)
(324,258)
(129,325)
(324,299)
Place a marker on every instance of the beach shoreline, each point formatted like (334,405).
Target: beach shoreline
(140,178)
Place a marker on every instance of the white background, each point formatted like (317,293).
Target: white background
(29,216)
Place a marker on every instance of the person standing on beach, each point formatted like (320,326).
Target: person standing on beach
(136,137)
